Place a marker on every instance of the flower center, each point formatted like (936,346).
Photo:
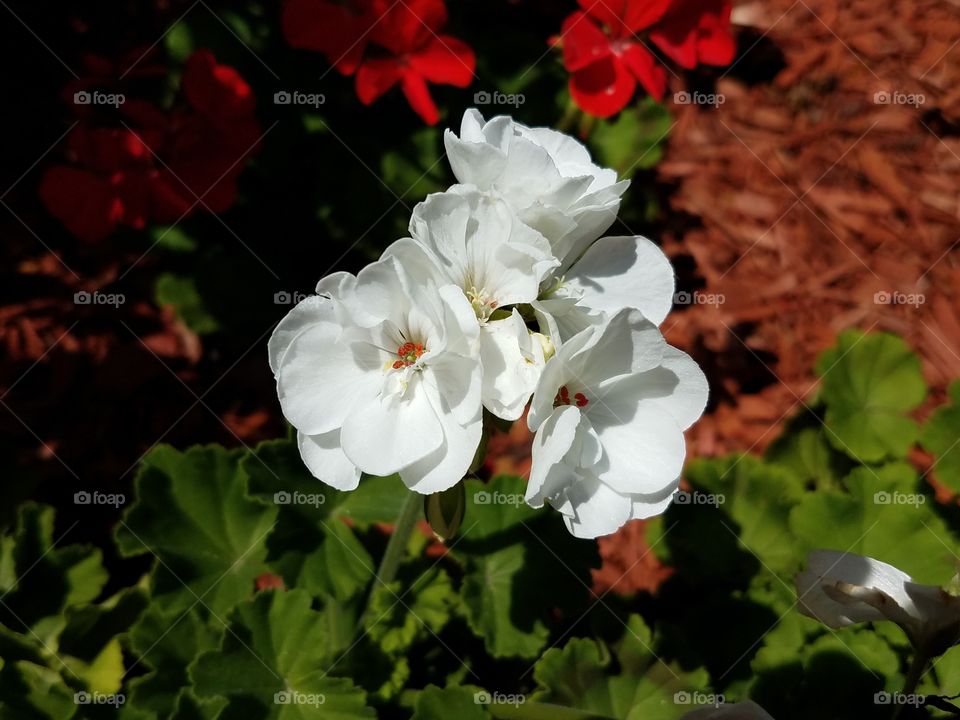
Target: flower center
(563,398)
(481,302)
(408,353)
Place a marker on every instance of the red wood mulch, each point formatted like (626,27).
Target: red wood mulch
(809,197)
(813,198)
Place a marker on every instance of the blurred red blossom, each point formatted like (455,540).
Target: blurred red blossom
(148,165)
(607,56)
(384,43)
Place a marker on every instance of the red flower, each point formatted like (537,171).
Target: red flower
(386,43)
(155,165)
(416,55)
(339,30)
(696,32)
(607,58)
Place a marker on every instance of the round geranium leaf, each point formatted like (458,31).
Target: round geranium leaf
(869,384)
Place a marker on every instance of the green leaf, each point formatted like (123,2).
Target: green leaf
(514,558)
(409,609)
(376,500)
(884,516)
(165,644)
(40,580)
(341,567)
(173,237)
(434,703)
(34,692)
(88,629)
(180,293)
(193,513)
(735,522)
(835,675)
(104,674)
(808,454)
(634,140)
(869,383)
(273,664)
(580,676)
(941,436)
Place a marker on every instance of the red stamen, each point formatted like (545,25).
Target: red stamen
(563,398)
(408,354)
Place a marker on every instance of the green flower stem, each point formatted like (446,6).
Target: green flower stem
(914,673)
(397,545)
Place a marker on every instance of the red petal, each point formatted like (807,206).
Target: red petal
(216,91)
(646,69)
(133,189)
(338,31)
(715,42)
(676,34)
(583,42)
(641,14)
(169,199)
(375,77)
(418,95)
(403,26)
(604,88)
(446,60)
(608,12)
(83,202)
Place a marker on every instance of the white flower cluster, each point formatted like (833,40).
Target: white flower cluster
(502,293)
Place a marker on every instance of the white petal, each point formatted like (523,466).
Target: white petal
(479,155)
(556,372)
(383,435)
(448,464)
(646,506)
(321,376)
(689,395)
(326,460)
(677,388)
(598,509)
(560,318)
(458,380)
(530,172)
(566,151)
(336,284)
(643,451)
(511,366)
(304,315)
(553,441)
(626,343)
(823,592)
(417,259)
(624,272)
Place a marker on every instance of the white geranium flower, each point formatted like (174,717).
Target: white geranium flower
(613,274)
(609,414)
(477,243)
(379,374)
(746,710)
(840,589)
(547,177)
